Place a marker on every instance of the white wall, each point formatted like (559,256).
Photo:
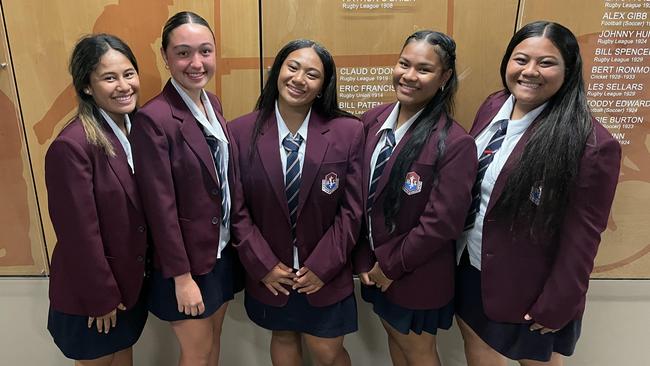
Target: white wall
(616,331)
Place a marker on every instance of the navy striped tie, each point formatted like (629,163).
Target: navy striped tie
(483,162)
(382,160)
(221,174)
(292,178)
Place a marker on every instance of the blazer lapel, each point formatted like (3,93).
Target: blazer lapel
(267,148)
(190,130)
(120,167)
(314,153)
(513,159)
(393,157)
(371,142)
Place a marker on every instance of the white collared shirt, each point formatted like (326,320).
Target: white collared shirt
(121,137)
(212,127)
(389,124)
(283,131)
(516,128)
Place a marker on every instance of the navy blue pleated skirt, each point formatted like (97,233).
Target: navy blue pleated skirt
(78,342)
(299,316)
(407,320)
(216,286)
(514,341)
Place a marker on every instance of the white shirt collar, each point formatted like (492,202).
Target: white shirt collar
(121,137)
(519,125)
(210,124)
(391,122)
(283,130)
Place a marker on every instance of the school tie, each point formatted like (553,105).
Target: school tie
(382,160)
(483,162)
(213,143)
(292,180)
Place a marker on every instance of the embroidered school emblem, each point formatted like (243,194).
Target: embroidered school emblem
(330,183)
(412,183)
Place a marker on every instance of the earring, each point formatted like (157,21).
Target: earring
(319,95)
(442,88)
(87,91)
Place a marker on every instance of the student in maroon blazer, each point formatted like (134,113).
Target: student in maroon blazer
(97,274)
(313,300)
(419,167)
(183,153)
(541,204)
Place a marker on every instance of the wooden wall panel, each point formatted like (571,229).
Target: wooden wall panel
(625,247)
(361,39)
(42,35)
(22,249)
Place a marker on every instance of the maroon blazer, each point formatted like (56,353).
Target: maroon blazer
(178,184)
(419,254)
(327,224)
(547,279)
(99,258)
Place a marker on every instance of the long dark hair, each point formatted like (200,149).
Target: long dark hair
(441,105)
(85,57)
(178,19)
(327,105)
(552,155)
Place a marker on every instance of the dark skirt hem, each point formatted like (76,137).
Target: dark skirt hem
(512,340)
(299,316)
(406,320)
(216,286)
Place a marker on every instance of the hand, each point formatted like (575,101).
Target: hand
(377,276)
(365,279)
(536,326)
(188,295)
(306,281)
(106,322)
(279,275)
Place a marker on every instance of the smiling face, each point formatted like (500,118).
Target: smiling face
(190,56)
(300,79)
(114,85)
(418,75)
(534,73)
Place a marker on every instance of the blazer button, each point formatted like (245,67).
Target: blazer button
(215,220)
(214,191)
(140,258)
(141,229)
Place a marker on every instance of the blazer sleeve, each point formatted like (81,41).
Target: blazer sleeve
(80,250)
(254,252)
(156,185)
(586,218)
(333,250)
(443,217)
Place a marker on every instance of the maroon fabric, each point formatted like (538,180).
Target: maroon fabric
(327,224)
(99,258)
(547,279)
(419,254)
(178,183)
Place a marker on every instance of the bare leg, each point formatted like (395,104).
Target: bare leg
(556,360)
(196,339)
(286,348)
(416,349)
(217,324)
(327,351)
(477,352)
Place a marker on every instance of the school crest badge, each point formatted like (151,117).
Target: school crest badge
(412,183)
(330,183)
